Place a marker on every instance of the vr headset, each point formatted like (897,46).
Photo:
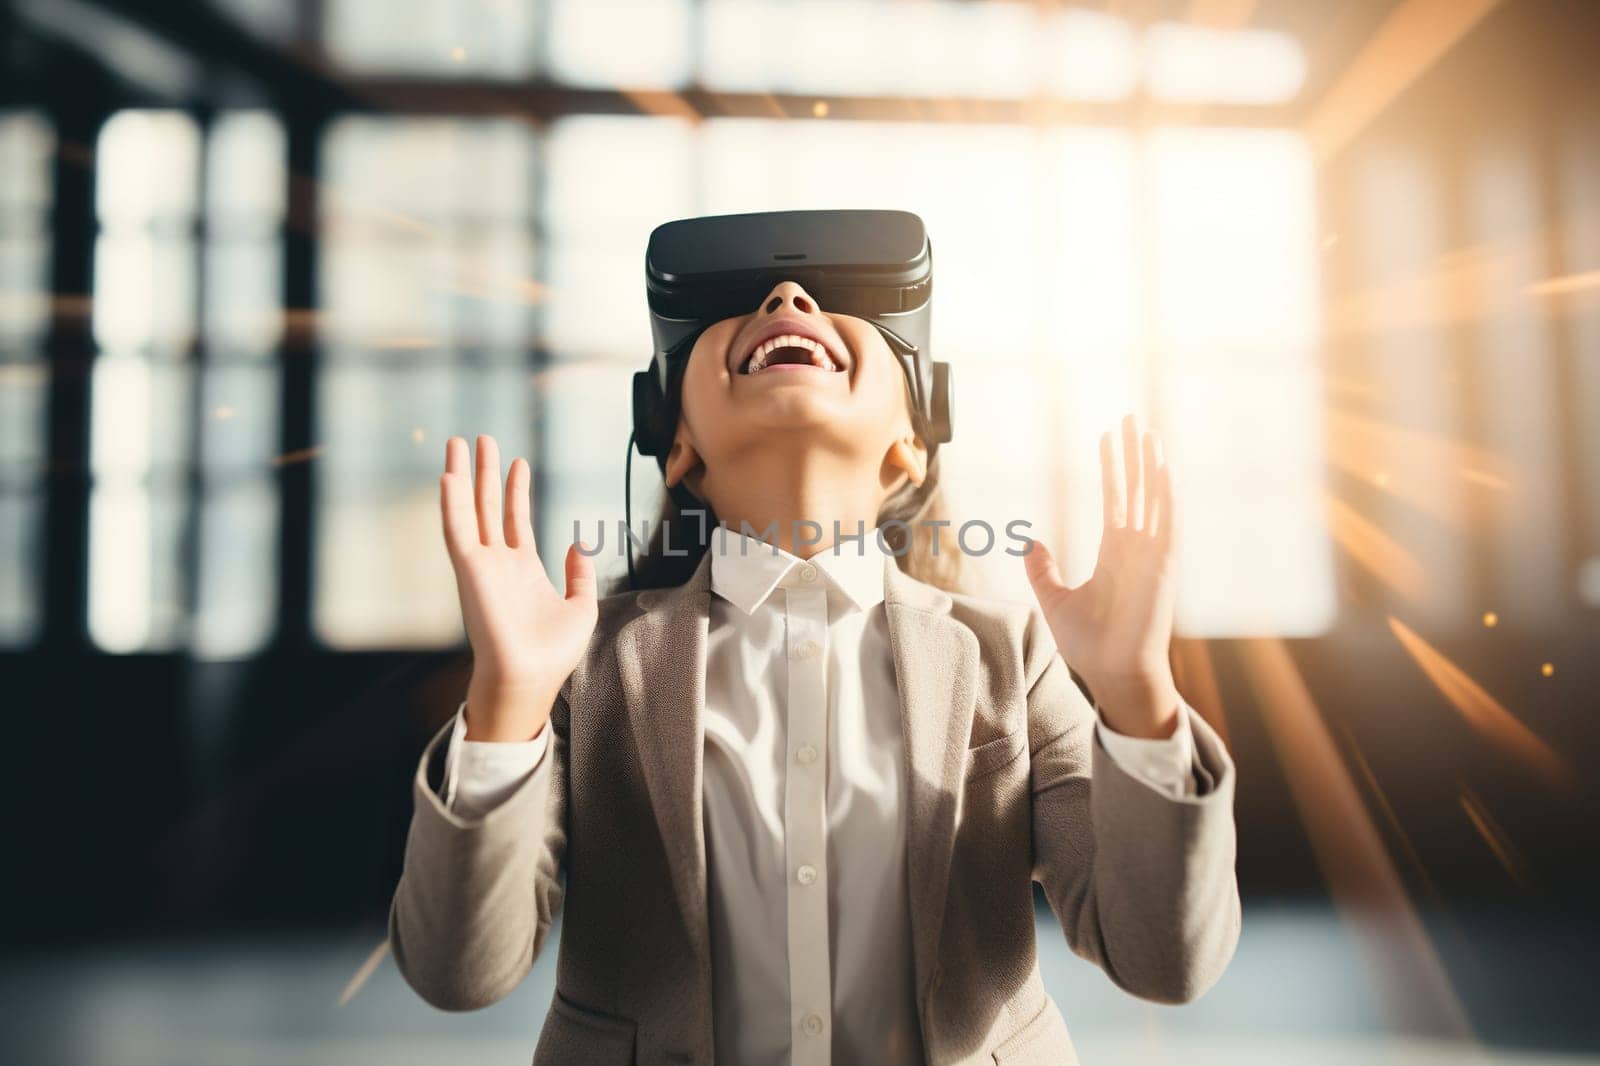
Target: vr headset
(874,265)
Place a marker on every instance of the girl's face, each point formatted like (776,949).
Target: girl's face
(790,375)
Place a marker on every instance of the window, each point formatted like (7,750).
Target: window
(144,324)
(183,510)
(427,297)
(239,403)
(1236,292)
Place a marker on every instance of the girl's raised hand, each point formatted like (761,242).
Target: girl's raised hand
(526,637)
(1115,627)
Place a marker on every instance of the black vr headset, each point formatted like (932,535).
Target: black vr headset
(874,265)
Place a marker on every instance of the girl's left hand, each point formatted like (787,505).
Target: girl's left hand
(1115,627)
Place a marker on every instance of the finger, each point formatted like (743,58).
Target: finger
(1043,573)
(580,574)
(456,515)
(1166,511)
(455,455)
(488,491)
(1135,471)
(519,517)
(1152,474)
(1110,483)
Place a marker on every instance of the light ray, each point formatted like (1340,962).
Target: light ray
(492,286)
(662,103)
(1363,445)
(1459,286)
(1196,676)
(1484,478)
(1389,815)
(1499,843)
(1349,386)
(1482,711)
(1376,551)
(1412,39)
(1568,283)
(1366,888)
(365,972)
(302,455)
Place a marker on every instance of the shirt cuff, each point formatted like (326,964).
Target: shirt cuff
(1165,764)
(479,775)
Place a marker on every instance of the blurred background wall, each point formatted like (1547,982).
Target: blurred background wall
(259,258)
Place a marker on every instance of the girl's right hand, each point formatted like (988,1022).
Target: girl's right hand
(526,637)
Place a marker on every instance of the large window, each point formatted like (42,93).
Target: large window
(1103,242)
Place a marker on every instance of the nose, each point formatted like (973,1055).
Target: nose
(788,295)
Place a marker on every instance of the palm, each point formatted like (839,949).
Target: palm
(526,637)
(518,624)
(1117,624)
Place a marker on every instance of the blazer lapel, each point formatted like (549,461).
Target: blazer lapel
(661,655)
(936,669)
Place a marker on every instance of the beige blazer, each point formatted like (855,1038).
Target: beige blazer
(1006,785)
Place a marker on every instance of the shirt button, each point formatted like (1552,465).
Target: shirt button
(806,875)
(808,572)
(807,649)
(812,1024)
(807,754)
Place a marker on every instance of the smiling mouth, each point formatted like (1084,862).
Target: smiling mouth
(789,351)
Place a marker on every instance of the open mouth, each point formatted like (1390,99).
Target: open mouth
(789,350)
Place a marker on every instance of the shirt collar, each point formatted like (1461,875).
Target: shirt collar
(745,571)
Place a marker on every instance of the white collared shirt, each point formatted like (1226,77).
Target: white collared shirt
(804,806)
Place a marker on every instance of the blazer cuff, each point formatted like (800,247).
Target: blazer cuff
(524,801)
(480,775)
(1165,764)
(1211,767)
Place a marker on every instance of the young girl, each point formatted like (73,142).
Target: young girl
(794,806)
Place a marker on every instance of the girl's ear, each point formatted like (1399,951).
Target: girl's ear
(681,460)
(908,456)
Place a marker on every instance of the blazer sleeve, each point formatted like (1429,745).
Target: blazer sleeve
(1142,882)
(477,894)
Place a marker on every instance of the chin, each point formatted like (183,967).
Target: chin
(800,409)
